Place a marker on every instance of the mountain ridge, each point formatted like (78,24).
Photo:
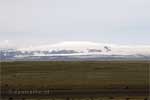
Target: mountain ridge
(77,50)
(84,45)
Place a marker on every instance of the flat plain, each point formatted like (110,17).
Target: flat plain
(91,78)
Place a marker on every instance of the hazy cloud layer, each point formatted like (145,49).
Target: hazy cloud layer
(33,21)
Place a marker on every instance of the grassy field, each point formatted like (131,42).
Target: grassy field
(102,78)
(75,75)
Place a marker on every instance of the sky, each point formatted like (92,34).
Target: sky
(34,22)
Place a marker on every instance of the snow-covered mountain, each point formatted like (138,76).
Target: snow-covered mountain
(77,50)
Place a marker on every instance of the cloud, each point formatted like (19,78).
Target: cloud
(61,19)
(5,44)
(6,41)
(70,15)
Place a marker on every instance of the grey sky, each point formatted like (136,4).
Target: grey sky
(49,21)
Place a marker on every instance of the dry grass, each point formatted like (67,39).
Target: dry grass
(75,74)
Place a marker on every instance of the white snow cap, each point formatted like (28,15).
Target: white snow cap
(85,45)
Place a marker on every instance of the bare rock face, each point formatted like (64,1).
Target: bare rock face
(107,48)
(94,50)
(63,51)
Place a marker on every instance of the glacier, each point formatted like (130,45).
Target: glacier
(77,50)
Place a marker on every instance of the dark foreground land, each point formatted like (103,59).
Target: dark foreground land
(124,80)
